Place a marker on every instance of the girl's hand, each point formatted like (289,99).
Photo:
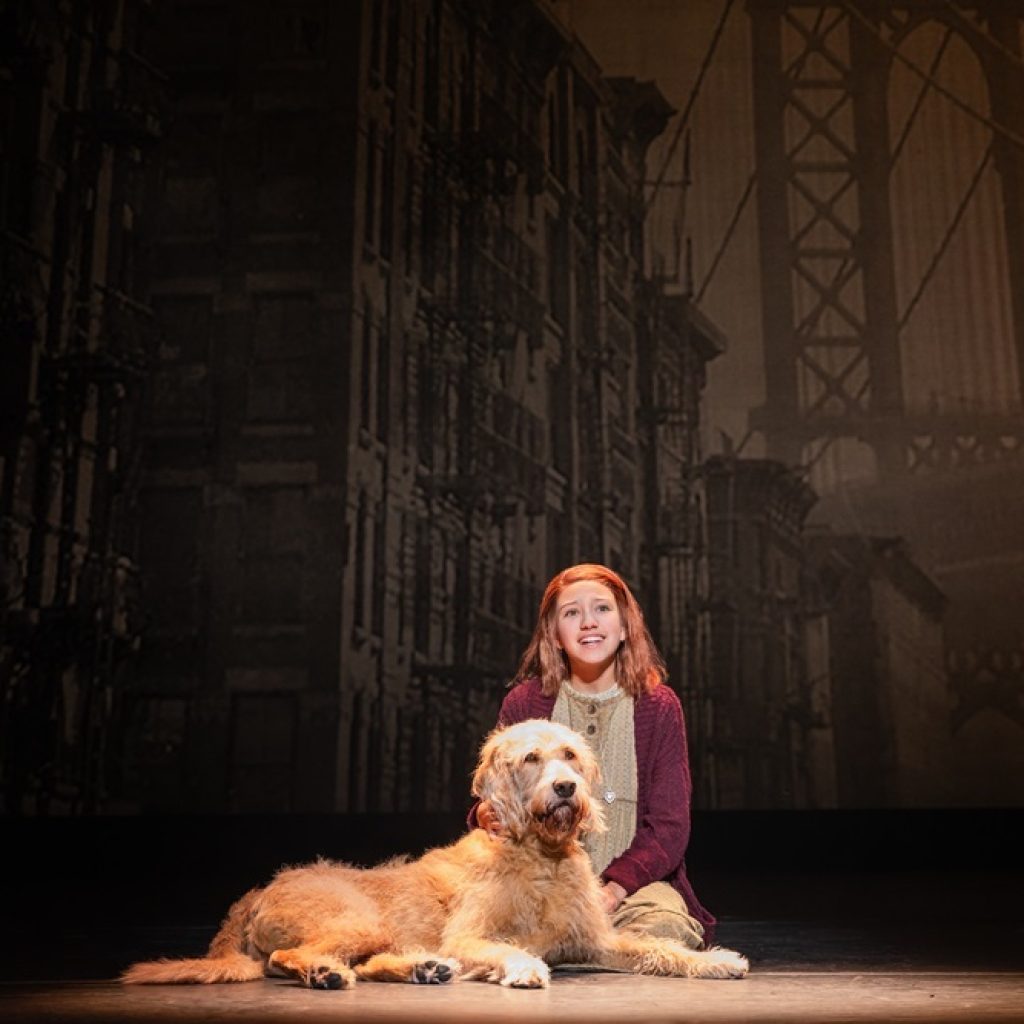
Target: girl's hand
(488,821)
(612,894)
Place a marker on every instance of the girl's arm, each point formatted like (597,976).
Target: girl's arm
(663,829)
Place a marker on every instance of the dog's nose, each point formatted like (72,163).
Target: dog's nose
(565,789)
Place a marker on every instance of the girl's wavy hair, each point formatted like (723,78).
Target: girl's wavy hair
(640,667)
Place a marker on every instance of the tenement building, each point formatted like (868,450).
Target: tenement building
(892,707)
(826,676)
(80,114)
(410,365)
(770,684)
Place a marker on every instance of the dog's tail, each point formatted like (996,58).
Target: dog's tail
(197,971)
(226,959)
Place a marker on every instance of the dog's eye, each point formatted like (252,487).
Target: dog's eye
(531,758)
(570,755)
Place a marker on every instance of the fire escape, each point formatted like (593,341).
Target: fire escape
(679,343)
(482,451)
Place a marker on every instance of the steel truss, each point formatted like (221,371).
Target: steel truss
(829,309)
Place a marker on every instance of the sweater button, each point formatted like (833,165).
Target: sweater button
(591,729)
(592,708)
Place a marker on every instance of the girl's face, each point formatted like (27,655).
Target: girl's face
(588,627)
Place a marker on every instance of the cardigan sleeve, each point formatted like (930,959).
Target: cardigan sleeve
(663,804)
(513,708)
(525,700)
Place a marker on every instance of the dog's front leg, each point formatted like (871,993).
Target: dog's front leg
(500,962)
(315,965)
(648,955)
(417,968)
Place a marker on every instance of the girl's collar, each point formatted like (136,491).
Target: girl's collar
(594,698)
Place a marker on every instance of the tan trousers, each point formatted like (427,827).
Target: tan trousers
(656,909)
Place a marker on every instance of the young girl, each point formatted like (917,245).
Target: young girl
(592,665)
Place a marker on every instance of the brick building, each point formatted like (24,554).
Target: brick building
(827,684)
(771,742)
(394,336)
(410,366)
(80,111)
(891,700)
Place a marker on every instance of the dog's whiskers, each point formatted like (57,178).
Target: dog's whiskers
(547,812)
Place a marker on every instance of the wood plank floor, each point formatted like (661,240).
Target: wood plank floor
(824,946)
(802,970)
(766,995)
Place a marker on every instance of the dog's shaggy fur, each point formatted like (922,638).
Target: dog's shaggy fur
(497,908)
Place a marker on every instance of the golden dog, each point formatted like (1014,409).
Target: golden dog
(500,908)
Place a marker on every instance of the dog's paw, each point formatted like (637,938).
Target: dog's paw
(720,963)
(435,972)
(328,977)
(524,971)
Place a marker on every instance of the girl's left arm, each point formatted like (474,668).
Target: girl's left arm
(663,825)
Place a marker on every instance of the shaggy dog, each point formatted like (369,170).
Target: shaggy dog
(500,908)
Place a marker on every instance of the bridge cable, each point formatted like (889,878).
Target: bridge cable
(984,33)
(688,110)
(995,126)
(958,214)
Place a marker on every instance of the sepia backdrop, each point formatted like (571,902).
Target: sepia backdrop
(332,329)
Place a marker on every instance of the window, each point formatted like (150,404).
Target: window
(262,751)
(378,572)
(383,386)
(557,272)
(365,396)
(181,386)
(370,208)
(274,569)
(153,761)
(422,587)
(359,556)
(387,197)
(18,129)
(394,38)
(280,381)
(409,211)
(425,409)
(171,535)
(431,63)
(377,10)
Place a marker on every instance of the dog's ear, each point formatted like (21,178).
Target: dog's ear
(494,781)
(485,766)
(592,819)
(593,813)
(588,765)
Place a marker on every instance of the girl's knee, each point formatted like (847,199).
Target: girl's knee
(664,924)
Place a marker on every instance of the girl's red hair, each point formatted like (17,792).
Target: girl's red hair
(640,666)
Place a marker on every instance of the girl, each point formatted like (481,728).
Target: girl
(592,665)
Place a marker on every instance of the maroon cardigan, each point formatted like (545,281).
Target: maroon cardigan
(663,798)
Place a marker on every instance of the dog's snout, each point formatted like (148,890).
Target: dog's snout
(565,789)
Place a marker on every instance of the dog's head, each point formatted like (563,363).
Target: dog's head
(537,777)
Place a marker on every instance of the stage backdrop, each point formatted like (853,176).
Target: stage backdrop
(332,330)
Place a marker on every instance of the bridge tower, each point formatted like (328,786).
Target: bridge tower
(847,396)
(825,153)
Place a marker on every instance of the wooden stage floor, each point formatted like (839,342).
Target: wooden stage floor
(823,949)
